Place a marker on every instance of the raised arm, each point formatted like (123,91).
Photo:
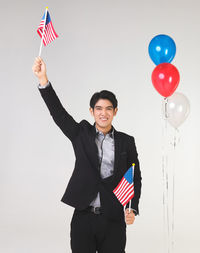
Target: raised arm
(61,117)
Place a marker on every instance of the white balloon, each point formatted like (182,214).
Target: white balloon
(177,109)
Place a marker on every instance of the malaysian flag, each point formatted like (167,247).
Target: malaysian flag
(125,189)
(49,32)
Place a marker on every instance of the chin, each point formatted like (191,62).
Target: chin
(104,125)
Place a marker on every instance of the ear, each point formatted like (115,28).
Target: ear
(115,111)
(91,111)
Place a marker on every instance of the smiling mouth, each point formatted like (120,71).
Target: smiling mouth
(103,119)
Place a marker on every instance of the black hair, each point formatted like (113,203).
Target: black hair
(104,94)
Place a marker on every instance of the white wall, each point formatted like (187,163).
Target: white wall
(101,45)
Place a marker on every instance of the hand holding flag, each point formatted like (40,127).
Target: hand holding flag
(39,69)
(129,217)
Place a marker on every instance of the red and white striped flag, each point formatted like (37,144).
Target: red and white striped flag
(125,189)
(46,30)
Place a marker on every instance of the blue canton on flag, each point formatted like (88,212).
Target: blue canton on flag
(125,189)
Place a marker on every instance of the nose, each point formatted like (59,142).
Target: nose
(103,112)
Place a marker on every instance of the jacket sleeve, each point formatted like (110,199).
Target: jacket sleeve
(133,155)
(61,117)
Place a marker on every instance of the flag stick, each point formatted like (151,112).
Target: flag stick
(43,31)
(129,206)
(133,166)
(125,212)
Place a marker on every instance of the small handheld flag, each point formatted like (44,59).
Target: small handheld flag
(46,30)
(125,189)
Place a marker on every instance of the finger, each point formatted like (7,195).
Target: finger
(130,218)
(128,212)
(41,60)
(37,67)
(36,70)
(130,221)
(130,215)
(38,60)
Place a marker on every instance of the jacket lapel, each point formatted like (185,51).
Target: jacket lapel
(117,150)
(94,150)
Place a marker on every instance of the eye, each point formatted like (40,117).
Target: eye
(98,108)
(109,108)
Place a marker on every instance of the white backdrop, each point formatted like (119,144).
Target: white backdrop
(101,45)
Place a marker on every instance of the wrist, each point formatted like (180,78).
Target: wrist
(43,81)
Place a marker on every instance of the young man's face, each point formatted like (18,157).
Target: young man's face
(103,114)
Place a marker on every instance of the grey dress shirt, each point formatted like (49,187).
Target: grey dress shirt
(106,150)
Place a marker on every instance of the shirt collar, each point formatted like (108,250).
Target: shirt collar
(110,133)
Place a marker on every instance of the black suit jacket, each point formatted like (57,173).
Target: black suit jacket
(85,181)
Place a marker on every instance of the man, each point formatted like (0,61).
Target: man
(103,155)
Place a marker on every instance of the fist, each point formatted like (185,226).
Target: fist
(129,217)
(39,69)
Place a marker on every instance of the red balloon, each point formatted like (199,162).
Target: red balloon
(165,78)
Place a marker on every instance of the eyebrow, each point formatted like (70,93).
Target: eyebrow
(108,107)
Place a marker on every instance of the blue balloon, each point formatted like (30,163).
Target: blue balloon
(162,48)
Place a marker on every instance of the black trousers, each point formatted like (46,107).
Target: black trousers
(91,233)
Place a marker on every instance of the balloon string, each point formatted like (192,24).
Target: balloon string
(163,175)
(173,192)
(167,190)
(165,109)
(167,206)
(173,212)
(164,200)
(176,140)
(165,181)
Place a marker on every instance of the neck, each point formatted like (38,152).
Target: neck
(104,130)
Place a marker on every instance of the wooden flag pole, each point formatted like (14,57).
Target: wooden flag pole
(45,18)
(129,206)
(133,165)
